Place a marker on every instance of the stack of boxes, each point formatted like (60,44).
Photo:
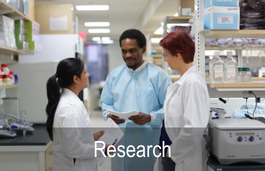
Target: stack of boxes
(7,37)
(221,15)
(32,35)
(20,34)
(20,5)
(27,35)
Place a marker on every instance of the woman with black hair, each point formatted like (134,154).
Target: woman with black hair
(68,122)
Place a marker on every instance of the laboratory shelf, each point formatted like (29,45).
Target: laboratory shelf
(239,85)
(173,19)
(234,48)
(8,86)
(234,33)
(13,51)
(12,12)
(157,56)
(9,11)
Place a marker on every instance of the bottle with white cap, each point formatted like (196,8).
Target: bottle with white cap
(216,69)
(230,69)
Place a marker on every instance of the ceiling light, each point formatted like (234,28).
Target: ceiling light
(159,31)
(97,24)
(105,38)
(96,38)
(92,7)
(106,42)
(155,40)
(98,30)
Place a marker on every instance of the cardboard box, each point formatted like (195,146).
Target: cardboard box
(187,7)
(221,18)
(54,19)
(226,3)
(31,9)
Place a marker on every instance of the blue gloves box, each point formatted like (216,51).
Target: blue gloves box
(221,18)
(227,3)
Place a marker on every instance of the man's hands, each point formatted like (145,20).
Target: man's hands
(141,118)
(116,119)
(97,135)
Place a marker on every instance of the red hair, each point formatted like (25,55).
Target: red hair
(179,41)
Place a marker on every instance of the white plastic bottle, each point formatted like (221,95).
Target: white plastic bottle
(6,70)
(11,73)
(230,69)
(216,69)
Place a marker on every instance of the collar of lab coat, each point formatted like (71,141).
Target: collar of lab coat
(186,75)
(139,68)
(68,92)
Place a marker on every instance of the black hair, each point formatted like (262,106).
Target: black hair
(134,34)
(63,78)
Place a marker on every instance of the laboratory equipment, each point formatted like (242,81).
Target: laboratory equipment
(216,69)
(16,124)
(220,112)
(6,133)
(230,69)
(236,140)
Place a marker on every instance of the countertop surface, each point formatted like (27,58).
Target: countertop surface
(39,137)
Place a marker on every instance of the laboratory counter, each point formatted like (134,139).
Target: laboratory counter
(38,137)
(214,165)
(27,152)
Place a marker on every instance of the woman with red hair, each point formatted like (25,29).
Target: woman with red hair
(186,108)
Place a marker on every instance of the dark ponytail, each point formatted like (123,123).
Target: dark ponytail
(63,78)
(53,94)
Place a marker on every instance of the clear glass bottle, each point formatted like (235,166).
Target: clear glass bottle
(230,69)
(216,69)
(240,75)
(247,74)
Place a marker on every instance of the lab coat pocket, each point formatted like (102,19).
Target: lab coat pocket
(174,108)
(145,99)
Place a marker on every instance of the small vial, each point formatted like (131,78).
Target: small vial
(247,74)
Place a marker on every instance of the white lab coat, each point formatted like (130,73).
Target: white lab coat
(186,117)
(72,136)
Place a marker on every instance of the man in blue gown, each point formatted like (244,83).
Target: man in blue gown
(141,86)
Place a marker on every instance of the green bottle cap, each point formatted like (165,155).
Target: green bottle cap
(240,69)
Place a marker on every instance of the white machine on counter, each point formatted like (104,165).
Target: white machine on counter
(237,140)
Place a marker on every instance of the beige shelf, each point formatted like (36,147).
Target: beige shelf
(157,56)
(234,48)
(222,48)
(8,86)
(239,85)
(12,51)
(234,33)
(173,18)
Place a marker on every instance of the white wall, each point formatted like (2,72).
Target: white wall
(115,57)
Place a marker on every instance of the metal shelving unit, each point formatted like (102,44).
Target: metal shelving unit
(9,11)
(223,89)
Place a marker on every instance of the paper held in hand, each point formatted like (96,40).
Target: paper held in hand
(112,136)
(123,115)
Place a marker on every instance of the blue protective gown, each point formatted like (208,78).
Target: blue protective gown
(143,90)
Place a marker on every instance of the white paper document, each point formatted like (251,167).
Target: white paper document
(112,135)
(123,115)
(59,23)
